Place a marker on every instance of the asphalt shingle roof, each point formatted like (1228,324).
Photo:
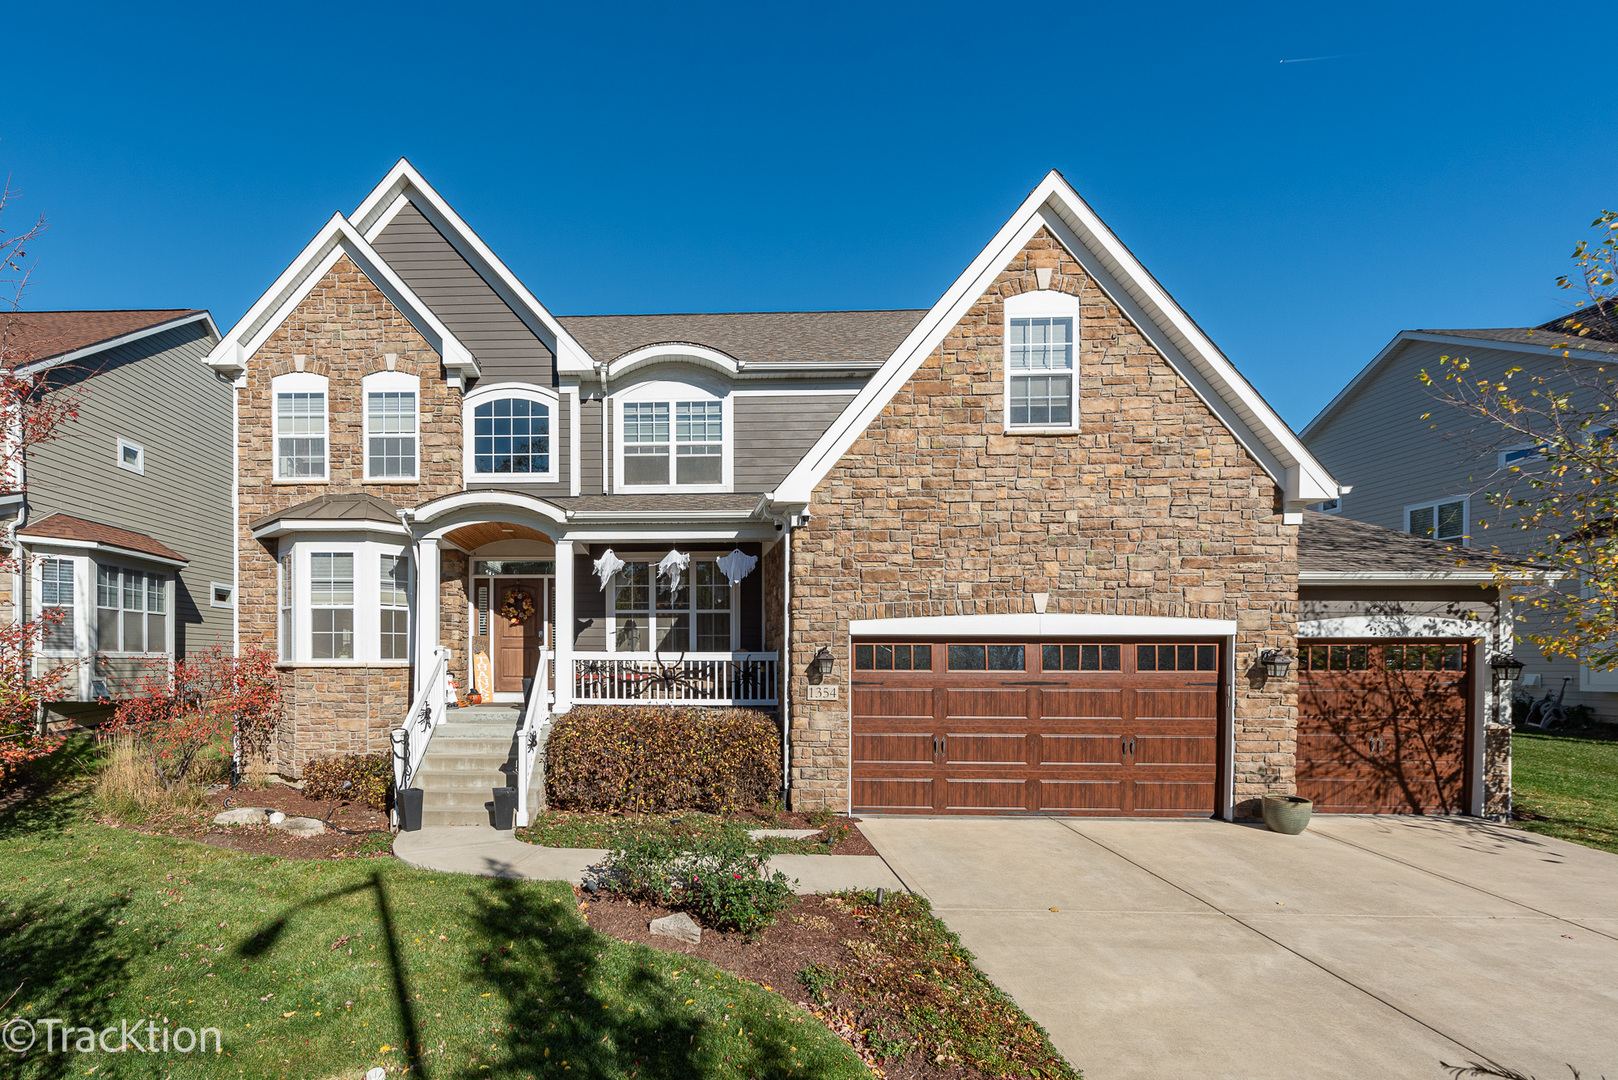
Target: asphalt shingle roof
(762,337)
(1592,329)
(40,335)
(61,526)
(1329,543)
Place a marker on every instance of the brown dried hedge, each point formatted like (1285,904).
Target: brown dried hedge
(654,758)
(372,775)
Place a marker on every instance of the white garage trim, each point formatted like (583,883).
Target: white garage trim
(1036,626)
(1392,626)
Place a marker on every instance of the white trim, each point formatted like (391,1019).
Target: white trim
(367,605)
(404,183)
(691,611)
(546,396)
(385,382)
(139,468)
(1398,577)
(491,504)
(1054,204)
(1044,626)
(1394,626)
(336,239)
(672,353)
(83,583)
(1466,514)
(795,391)
(37,541)
(1043,304)
(574,468)
(213,595)
(288,525)
(111,343)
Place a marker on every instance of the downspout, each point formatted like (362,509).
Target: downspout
(783,677)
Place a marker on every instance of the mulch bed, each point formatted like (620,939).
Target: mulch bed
(370,825)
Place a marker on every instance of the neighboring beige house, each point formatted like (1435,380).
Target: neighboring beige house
(1033,549)
(1432,475)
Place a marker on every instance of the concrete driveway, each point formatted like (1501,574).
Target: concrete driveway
(1366,947)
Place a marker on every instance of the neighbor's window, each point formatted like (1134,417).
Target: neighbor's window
(131,610)
(131,456)
(390,422)
(56,600)
(648,615)
(300,435)
(1039,357)
(511,435)
(331,605)
(395,607)
(1443,520)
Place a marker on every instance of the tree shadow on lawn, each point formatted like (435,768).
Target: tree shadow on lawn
(562,1005)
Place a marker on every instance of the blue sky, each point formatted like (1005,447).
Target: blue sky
(1432,168)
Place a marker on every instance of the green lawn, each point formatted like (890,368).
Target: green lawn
(323,969)
(1566,786)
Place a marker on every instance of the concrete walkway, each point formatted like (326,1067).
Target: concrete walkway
(481,850)
(1366,947)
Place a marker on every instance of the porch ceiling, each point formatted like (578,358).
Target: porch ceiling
(472,537)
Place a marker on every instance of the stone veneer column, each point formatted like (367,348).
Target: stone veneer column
(564,626)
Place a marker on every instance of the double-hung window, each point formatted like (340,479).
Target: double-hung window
(1441,520)
(288,650)
(131,610)
(646,442)
(56,604)
(394,607)
(649,616)
(390,423)
(331,605)
(673,443)
(300,426)
(699,438)
(1039,360)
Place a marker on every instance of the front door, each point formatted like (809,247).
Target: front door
(517,630)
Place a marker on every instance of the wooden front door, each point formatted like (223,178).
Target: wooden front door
(516,647)
(1120,728)
(1383,726)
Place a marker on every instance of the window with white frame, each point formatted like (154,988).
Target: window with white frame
(221,595)
(699,616)
(131,456)
(300,426)
(699,442)
(1444,519)
(288,642)
(672,443)
(392,423)
(131,610)
(511,436)
(393,605)
(56,605)
(1330,506)
(646,442)
(331,605)
(1040,385)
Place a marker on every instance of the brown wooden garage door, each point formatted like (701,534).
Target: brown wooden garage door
(1064,727)
(1383,726)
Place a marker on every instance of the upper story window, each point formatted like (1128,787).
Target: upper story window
(1041,338)
(131,456)
(300,427)
(646,442)
(1441,520)
(673,436)
(392,422)
(56,602)
(510,431)
(131,610)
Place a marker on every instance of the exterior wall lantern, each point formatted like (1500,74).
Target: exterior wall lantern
(820,667)
(1275,663)
(1507,670)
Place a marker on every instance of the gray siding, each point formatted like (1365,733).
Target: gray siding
(155,392)
(589,448)
(561,446)
(505,348)
(774,433)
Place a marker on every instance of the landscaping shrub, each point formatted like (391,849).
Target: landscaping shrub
(372,775)
(653,758)
(720,879)
(129,788)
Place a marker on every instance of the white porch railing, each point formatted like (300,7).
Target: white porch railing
(410,739)
(528,738)
(699,678)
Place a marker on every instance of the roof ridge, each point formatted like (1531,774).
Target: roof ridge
(784,311)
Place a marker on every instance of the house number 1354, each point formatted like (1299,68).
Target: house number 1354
(823,692)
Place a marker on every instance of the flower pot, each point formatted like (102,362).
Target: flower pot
(505,808)
(1287,814)
(408,802)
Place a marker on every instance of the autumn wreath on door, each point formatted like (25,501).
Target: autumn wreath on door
(516,606)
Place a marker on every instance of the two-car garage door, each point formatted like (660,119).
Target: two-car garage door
(1054,727)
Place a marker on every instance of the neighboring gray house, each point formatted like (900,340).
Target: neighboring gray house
(1431,475)
(124,518)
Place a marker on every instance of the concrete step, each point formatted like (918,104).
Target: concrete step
(474,731)
(474,747)
(483,716)
(465,782)
(457,800)
(460,764)
(457,817)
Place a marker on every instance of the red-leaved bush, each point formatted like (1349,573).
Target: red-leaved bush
(654,758)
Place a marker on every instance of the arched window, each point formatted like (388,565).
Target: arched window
(511,436)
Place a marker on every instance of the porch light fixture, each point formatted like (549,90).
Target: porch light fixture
(1507,670)
(1275,663)
(822,664)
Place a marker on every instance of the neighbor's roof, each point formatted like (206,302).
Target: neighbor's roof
(1593,329)
(1331,545)
(61,526)
(341,506)
(44,334)
(763,337)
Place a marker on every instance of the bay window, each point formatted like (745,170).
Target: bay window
(393,607)
(343,603)
(331,605)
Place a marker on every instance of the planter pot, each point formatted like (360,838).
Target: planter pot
(409,803)
(1287,814)
(505,808)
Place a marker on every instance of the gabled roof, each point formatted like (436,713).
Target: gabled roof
(1054,205)
(405,186)
(753,337)
(336,239)
(79,532)
(1334,547)
(49,338)
(354,508)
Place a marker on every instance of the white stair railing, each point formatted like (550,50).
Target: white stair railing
(427,711)
(535,710)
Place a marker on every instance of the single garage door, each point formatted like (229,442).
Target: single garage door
(1383,726)
(1056,727)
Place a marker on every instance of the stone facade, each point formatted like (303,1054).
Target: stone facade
(1152,508)
(344,329)
(1497,770)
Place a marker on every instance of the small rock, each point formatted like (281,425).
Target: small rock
(679,926)
(242,815)
(276,817)
(300,826)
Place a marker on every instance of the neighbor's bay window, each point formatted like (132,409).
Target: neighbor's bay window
(56,604)
(131,610)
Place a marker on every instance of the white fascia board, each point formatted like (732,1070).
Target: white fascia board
(1056,205)
(379,207)
(489,503)
(285,526)
(37,542)
(1044,626)
(657,534)
(1417,577)
(336,239)
(112,343)
(1393,626)
(663,515)
(672,353)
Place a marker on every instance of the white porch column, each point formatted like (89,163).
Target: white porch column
(564,626)
(427,643)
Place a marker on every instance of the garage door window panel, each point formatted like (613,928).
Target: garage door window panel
(1081,657)
(893,657)
(987,658)
(1177,657)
